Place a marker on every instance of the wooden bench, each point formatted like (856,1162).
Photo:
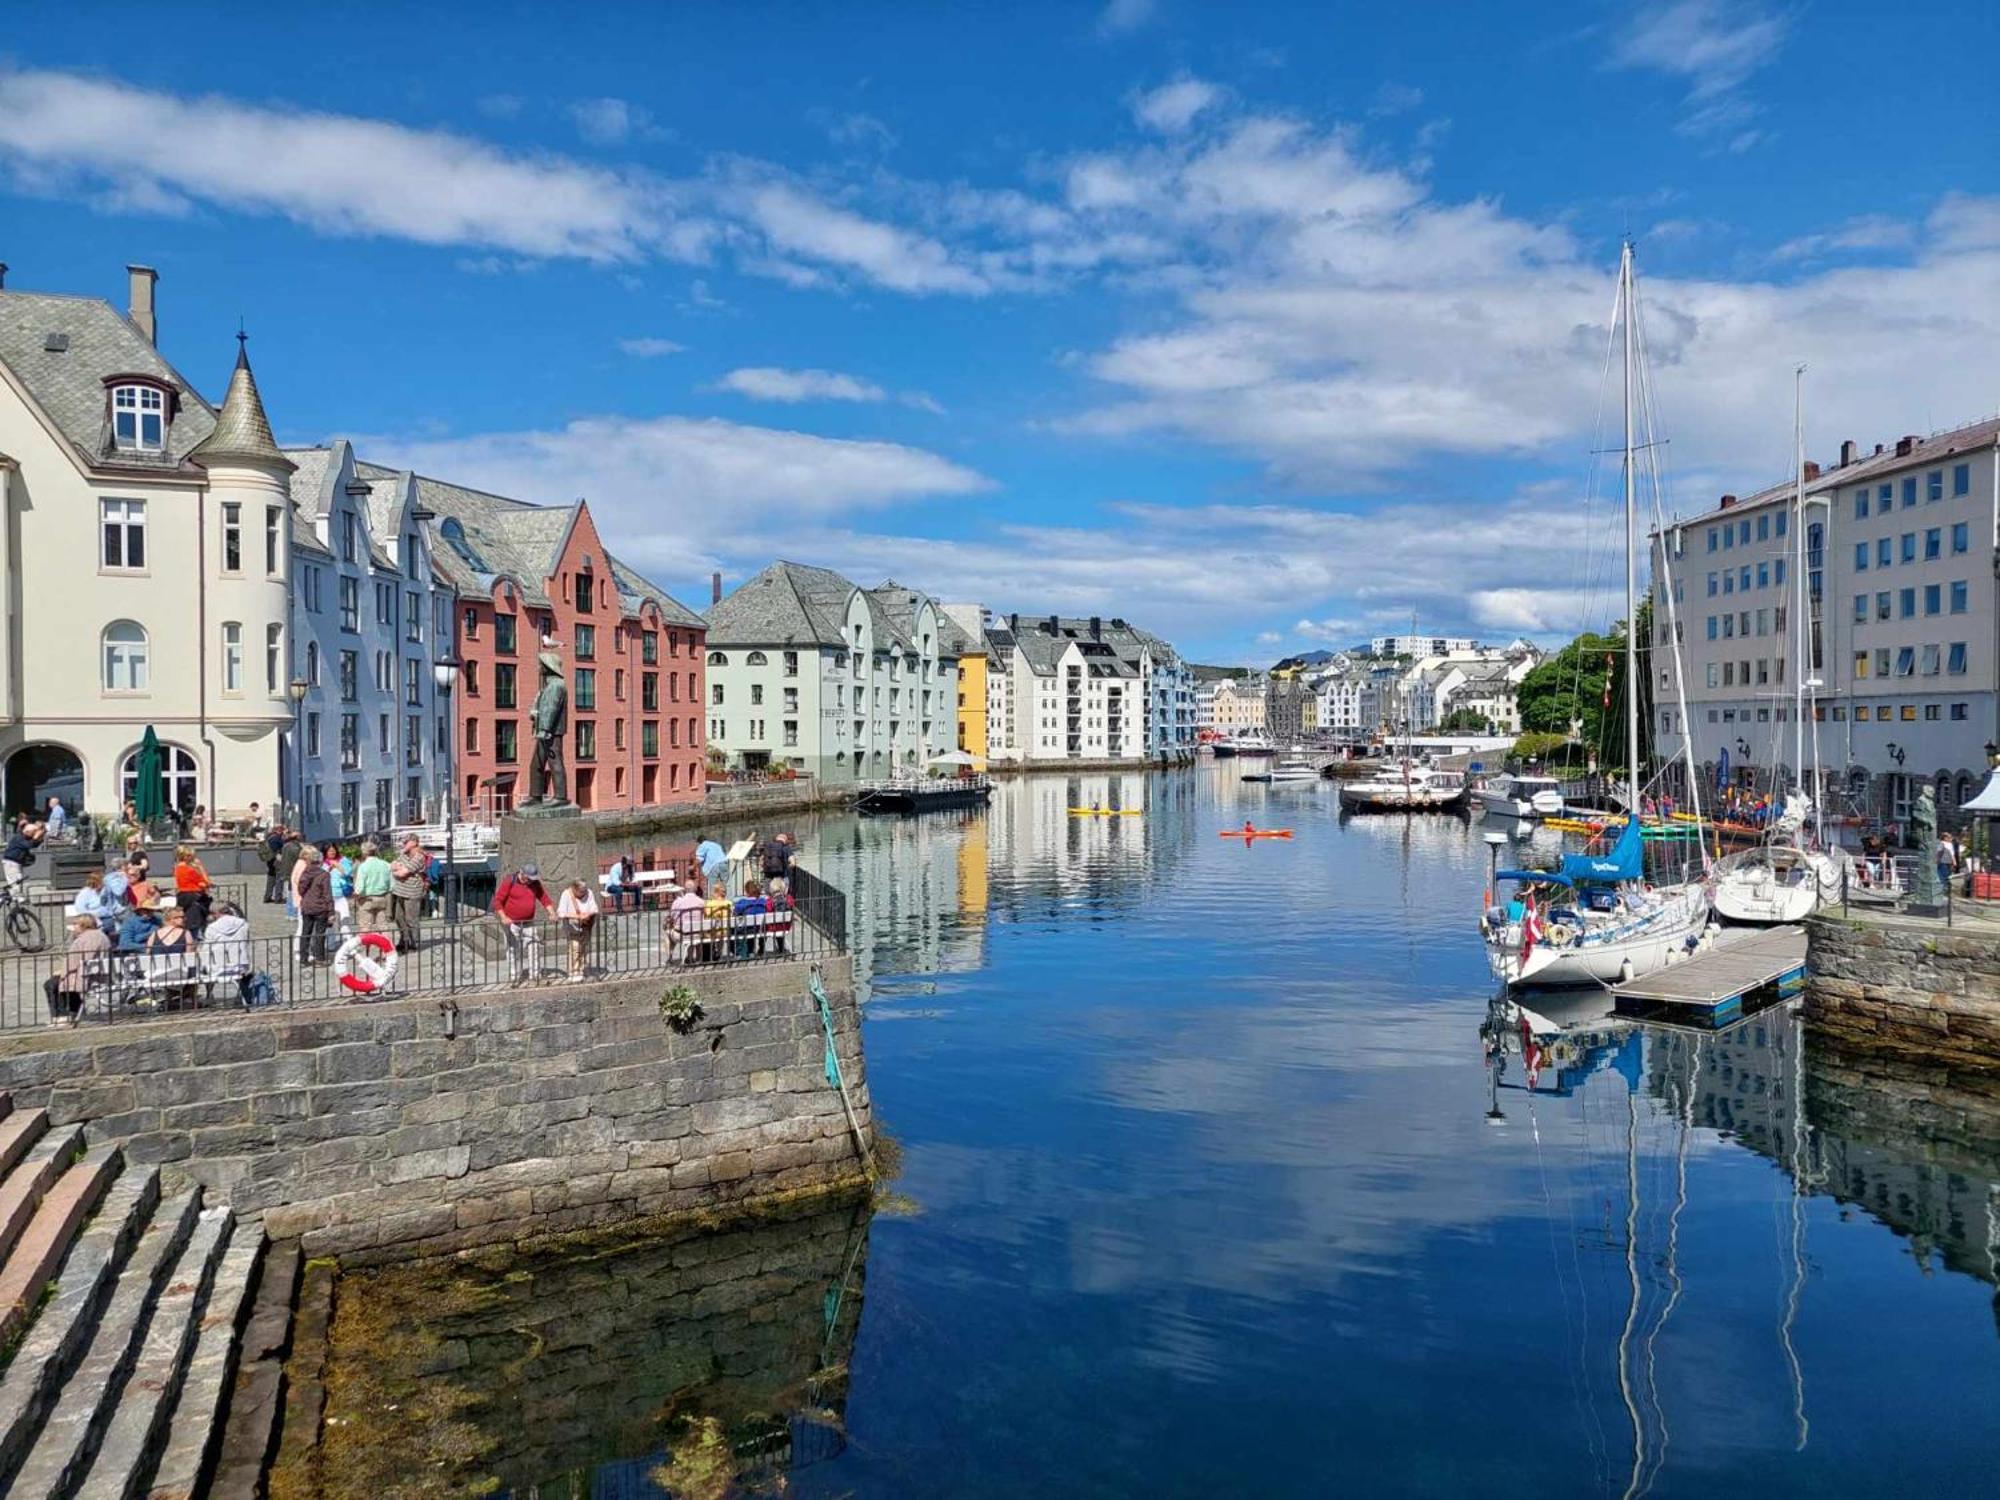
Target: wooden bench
(696,939)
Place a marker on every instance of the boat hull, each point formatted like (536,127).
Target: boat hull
(1765,888)
(1641,947)
(1359,797)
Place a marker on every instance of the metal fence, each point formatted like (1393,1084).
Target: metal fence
(1888,882)
(449,958)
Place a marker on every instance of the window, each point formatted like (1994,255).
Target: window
(384,734)
(1711,585)
(1961,537)
(618,684)
(717,659)
(413,739)
(274,650)
(350,742)
(617,734)
(1909,491)
(385,603)
(346,537)
(792,659)
(715,694)
(1883,605)
(1933,598)
(1728,630)
(1932,713)
(1930,661)
(1881,661)
(1961,479)
(1958,592)
(756,695)
(1954,662)
(792,733)
(506,735)
(1764,527)
(1860,608)
(1861,503)
(1729,582)
(649,738)
(1884,552)
(1780,527)
(649,647)
(586,739)
(413,557)
(756,659)
(350,604)
(1763,622)
(1884,499)
(1906,661)
(1960,712)
(1778,570)
(1860,666)
(312,663)
(1729,674)
(468,678)
(586,688)
(413,616)
(274,536)
(1743,532)
(1909,713)
(124,526)
(585,589)
(139,418)
(232,537)
(649,690)
(1713,675)
(586,642)
(503,684)
(126,657)
(1711,627)
(1909,546)
(413,682)
(232,657)
(350,676)
(1907,600)
(718,729)
(1763,575)
(1861,557)
(1934,485)
(312,735)
(1711,539)
(503,633)
(1933,543)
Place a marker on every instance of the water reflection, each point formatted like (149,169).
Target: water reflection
(583,1366)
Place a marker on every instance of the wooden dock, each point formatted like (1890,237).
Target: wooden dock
(1711,988)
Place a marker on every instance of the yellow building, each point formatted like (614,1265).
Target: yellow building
(966,620)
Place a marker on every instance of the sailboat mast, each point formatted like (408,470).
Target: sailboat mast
(1802,656)
(1631,550)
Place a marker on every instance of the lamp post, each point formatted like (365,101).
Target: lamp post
(444,676)
(296,691)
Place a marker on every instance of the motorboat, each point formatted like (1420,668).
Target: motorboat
(1405,786)
(1286,770)
(1520,796)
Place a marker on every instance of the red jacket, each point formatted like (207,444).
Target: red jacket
(515,899)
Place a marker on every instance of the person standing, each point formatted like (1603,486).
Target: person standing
(409,881)
(315,907)
(57,819)
(267,851)
(20,852)
(193,891)
(577,911)
(372,879)
(713,861)
(340,876)
(776,858)
(514,903)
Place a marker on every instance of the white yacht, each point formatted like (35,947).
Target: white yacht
(1405,786)
(1286,770)
(1518,796)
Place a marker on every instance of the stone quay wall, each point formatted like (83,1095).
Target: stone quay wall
(1905,986)
(407,1128)
(724,809)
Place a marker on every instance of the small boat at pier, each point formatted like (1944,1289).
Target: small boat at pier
(1519,796)
(922,794)
(1286,770)
(1406,787)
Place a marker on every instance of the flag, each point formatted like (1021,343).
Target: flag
(1607,681)
(1531,929)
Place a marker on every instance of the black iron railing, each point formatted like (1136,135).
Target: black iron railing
(449,958)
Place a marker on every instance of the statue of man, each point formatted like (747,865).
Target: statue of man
(547,782)
(1926,889)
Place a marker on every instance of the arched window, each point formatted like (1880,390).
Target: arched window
(126,656)
(717,659)
(1942,790)
(1965,785)
(180,778)
(756,659)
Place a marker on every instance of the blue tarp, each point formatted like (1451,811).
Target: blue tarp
(1624,860)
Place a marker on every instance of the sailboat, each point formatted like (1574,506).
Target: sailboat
(1789,875)
(1596,919)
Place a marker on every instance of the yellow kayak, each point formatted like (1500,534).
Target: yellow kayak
(1104,812)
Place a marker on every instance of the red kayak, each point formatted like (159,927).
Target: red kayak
(1247,834)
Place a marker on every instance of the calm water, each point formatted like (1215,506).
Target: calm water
(1215,1192)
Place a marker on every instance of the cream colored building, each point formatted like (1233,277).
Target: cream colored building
(145,544)
(1239,704)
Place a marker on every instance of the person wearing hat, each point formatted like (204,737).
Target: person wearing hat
(514,903)
(548,782)
(140,923)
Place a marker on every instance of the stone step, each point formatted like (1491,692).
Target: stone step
(91,1395)
(57,1338)
(195,1430)
(126,1455)
(21,1192)
(250,1433)
(18,1133)
(33,1260)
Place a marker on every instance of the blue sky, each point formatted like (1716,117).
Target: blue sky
(1265,326)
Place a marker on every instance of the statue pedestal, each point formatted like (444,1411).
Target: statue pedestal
(560,842)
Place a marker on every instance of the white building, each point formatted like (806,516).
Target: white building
(1900,589)
(1090,689)
(807,670)
(145,556)
(369,621)
(1422,645)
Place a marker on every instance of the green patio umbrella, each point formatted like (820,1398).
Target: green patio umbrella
(149,791)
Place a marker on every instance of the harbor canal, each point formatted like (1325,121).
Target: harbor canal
(1221,1174)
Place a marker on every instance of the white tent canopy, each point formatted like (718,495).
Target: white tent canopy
(952,758)
(1988,800)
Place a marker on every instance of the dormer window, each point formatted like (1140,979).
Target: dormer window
(139,418)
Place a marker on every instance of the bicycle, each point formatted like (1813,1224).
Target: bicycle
(21,923)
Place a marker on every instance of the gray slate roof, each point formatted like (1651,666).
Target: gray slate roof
(788,604)
(68,384)
(241,428)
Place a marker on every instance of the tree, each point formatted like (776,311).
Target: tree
(1465,721)
(1580,692)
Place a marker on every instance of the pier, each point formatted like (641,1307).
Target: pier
(1709,990)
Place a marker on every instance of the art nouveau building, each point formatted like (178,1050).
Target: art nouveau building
(1085,689)
(145,561)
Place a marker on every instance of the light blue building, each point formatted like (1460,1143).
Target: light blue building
(370,619)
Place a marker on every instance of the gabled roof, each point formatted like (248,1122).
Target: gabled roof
(62,349)
(788,604)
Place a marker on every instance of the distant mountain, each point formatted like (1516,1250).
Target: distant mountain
(1304,659)
(1216,674)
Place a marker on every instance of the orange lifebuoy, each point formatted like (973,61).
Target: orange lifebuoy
(373,956)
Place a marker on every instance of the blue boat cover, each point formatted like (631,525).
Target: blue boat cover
(1624,860)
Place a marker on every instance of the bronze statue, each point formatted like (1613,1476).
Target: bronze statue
(1926,889)
(548,783)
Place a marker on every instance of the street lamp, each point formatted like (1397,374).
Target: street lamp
(296,691)
(444,675)
(1897,753)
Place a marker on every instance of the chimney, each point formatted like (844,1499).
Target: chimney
(143,281)
(1904,444)
(1848,453)
(1055,625)
(1812,470)
(1096,626)
(1878,448)
(3,275)
(715,588)
(1014,623)
(1727,501)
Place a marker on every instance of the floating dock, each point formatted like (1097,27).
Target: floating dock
(1713,988)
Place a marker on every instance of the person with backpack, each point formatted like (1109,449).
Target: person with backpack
(777,858)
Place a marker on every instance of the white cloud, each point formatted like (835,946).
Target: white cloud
(855,129)
(1866,232)
(798,223)
(1716,45)
(612,122)
(650,348)
(1268,637)
(1121,16)
(767,383)
(1172,107)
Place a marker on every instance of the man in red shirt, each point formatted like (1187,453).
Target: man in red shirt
(514,902)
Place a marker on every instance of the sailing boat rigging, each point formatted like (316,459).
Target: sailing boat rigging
(1597,919)
(1789,875)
